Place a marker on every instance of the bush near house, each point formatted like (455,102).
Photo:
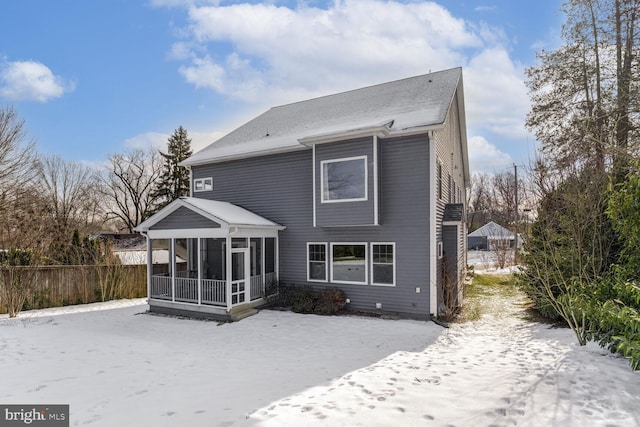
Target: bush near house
(304,299)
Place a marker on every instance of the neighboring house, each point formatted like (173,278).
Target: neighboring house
(131,249)
(362,190)
(492,237)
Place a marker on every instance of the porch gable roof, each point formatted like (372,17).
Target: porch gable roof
(222,215)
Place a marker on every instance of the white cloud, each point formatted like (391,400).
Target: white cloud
(284,54)
(486,157)
(200,140)
(265,55)
(147,140)
(280,55)
(496,95)
(31,81)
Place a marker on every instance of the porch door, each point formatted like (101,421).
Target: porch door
(240,269)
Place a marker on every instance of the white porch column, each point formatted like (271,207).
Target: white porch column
(199,261)
(172,268)
(228,261)
(149,266)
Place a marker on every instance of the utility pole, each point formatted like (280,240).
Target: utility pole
(517,219)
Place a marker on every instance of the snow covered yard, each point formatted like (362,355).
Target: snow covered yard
(116,366)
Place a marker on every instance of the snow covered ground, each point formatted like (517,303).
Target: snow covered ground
(117,366)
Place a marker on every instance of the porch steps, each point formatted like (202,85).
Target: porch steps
(240,313)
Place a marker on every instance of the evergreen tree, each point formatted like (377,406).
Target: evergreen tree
(174,180)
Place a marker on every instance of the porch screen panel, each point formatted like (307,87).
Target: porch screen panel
(186,277)
(161,268)
(181,256)
(212,258)
(160,256)
(213,262)
(269,255)
(256,256)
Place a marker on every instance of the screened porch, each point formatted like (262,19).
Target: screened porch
(208,257)
(222,272)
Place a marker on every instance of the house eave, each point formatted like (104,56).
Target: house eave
(242,155)
(380,131)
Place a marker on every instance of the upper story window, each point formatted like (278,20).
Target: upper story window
(344,180)
(203,184)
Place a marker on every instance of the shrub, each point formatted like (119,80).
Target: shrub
(304,299)
(330,301)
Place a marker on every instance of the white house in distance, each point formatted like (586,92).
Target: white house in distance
(491,237)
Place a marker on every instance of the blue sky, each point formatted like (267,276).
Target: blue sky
(96,77)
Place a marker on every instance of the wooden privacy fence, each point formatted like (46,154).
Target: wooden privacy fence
(55,286)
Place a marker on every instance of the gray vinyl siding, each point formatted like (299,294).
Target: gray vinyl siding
(345,213)
(449,152)
(280,188)
(184,218)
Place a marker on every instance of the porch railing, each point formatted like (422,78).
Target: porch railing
(161,287)
(186,289)
(213,292)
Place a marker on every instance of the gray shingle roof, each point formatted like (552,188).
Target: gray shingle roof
(492,230)
(399,105)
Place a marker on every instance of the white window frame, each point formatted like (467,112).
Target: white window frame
(344,159)
(207,184)
(440,250)
(393,245)
(326,262)
(366,262)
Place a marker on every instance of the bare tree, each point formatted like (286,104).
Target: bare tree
(67,188)
(17,154)
(492,198)
(127,183)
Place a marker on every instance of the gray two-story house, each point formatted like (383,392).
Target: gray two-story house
(362,190)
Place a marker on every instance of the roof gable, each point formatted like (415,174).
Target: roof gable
(195,213)
(491,229)
(397,106)
(184,218)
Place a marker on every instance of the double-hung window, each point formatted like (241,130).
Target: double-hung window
(383,264)
(317,262)
(349,263)
(344,180)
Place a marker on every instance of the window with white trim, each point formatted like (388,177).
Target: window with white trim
(317,262)
(344,180)
(383,264)
(349,263)
(440,250)
(202,184)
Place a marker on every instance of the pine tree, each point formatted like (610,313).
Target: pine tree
(174,181)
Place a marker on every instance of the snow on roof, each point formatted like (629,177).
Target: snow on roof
(403,104)
(227,212)
(491,229)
